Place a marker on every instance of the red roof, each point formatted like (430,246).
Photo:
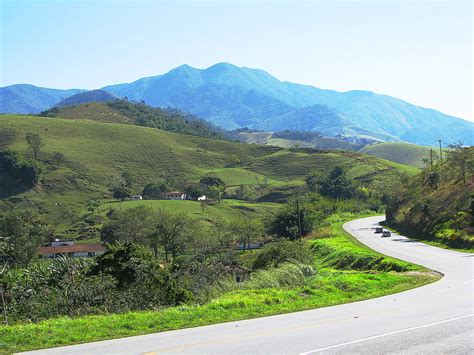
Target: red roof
(78,248)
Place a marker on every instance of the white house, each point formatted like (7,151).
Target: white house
(174,195)
(136,197)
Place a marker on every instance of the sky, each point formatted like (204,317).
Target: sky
(418,51)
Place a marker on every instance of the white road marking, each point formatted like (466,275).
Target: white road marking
(383,335)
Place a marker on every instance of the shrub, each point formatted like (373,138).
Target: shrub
(283,251)
(28,172)
(121,192)
(288,274)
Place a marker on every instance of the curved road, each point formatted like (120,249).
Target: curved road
(433,319)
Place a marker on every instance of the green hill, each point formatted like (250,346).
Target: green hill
(289,139)
(95,111)
(87,97)
(403,153)
(140,114)
(96,153)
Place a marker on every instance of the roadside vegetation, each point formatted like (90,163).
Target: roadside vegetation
(437,205)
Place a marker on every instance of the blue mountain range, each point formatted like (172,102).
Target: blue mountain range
(235,97)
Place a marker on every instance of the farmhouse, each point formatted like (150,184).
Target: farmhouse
(68,248)
(174,195)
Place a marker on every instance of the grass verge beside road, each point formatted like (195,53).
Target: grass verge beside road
(429,242)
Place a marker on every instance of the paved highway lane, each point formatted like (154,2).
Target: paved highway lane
(437,318)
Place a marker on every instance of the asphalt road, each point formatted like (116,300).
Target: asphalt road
(433,319)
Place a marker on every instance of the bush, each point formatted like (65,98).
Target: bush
(288,222)
(335,184)
(283,251)
(288,274)
(28,172)
(121,192)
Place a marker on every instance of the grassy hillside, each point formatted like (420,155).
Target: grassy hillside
(403,153)
(95,111)
(287,139)
(140,114)
(227,210)
(96,153)
(438,203)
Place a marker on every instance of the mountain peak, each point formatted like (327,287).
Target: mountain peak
(222,66)
(185,68)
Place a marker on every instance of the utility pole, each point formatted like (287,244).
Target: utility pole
(431,158)
(440,151)
(299,217)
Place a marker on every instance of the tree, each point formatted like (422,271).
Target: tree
(291,222)
(213,187)
(155,190)
(22,232)
(172,231)
(130,225)
(127,179)
(208,181)
(248,231)
(34,143)
(194,191)
(334,184)
(124,261)
(223,233)
(121,192)
(204,206)
(215,193)
(58,158)
(459,157)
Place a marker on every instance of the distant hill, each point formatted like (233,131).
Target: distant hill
(235,97)
(402,153)
(140,114)
(291,139)
(87,97)
(25,98)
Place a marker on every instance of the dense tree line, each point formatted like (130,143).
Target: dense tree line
(168,119)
